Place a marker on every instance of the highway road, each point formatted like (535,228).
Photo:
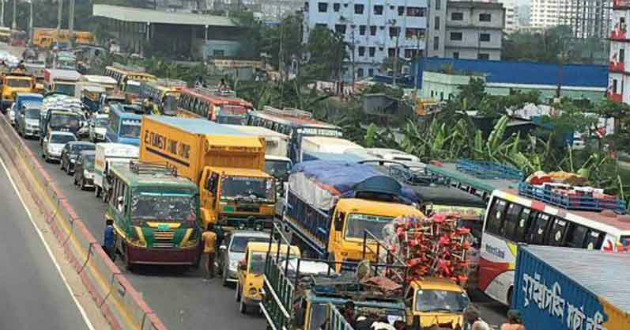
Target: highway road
(33,294)
(179,296)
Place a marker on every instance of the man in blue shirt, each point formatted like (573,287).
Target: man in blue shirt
(109,239)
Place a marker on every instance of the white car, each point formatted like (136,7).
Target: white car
(98,127)
(12,114)
(232,250)
(53,144)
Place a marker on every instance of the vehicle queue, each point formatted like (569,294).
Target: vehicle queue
(326,202)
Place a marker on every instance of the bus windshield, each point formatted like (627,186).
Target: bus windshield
(70,121)
(162,207)
(441,301)
(19,83)
(130,129)
(132,89)
(243,187)
(358,223)
(67,89)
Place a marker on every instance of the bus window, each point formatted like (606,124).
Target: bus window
(576,236)
(557,232)
(594,240)
(496,216)
(511,221)
(524,221)
(538,229)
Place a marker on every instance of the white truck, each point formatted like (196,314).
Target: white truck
(106,154)
(314,147)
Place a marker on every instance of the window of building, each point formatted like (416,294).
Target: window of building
(483,56)
(622,55)
(436,23)
(484,37)
(336,7)
(411,33)
(485,17)
(373,30)
(358,8)
(372,51)
(457,16)
(322,7)
(362,30)
(401,10)
(416,12)
(306,6)
(360,72)
(371,72)
(391,52)
(456,36)
(321,25)
(393,31)
(438,4)
(378,9)
(361,51)
(614,86)
(410,53)
(455,55)
(340,28)
(436,43)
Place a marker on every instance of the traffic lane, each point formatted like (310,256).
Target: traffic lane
(31,289)
(178,295)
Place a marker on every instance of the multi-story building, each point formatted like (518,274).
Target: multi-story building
(618,77)
(474,30)
(511,16)
(375,29)
(587,18)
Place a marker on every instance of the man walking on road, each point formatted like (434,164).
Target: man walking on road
(109,239)
(209,238)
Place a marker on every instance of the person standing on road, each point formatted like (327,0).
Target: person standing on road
(473,321)
(209,238)
(515,321)
(109,239)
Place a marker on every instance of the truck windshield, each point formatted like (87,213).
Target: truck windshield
(257,263)
(31,113)
(441,301)
(357,224)
(65,88)
(243,187)
(146,206)
(277,168)
(19,83)
(69,121)
(131,130)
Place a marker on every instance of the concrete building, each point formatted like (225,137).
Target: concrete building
(376,29)
(587,18)
(511,15)
(187,35)
(474,30)
(619,78)
(442,77)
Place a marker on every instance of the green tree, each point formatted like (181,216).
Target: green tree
(327,52)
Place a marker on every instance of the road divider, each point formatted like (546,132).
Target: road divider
(121,304)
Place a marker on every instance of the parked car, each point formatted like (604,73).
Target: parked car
(84,174)
(70,153)
(27,122)
(98,127)
(53,144)
(232,250)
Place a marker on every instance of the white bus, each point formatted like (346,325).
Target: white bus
(512,219)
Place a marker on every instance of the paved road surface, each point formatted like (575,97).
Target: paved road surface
(32,293)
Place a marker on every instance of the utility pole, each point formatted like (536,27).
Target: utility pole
(59,15)
(417,60)
(30,22)
(2,14)
(353,58)
(71,18)
(395,57)
(14,24)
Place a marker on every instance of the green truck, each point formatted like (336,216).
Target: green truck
(155,214)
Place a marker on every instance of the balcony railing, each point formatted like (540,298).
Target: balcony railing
(618,33)
(619,4)
(614,66)
(617,97)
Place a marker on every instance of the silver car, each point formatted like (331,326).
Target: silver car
(232,250)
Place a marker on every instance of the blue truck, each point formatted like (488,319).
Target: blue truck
(565,288)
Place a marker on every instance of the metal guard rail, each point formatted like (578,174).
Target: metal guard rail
(488,170)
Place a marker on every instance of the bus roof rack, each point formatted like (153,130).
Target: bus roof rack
(166,82)
(139,167)
(216,92)
(132,68)
(292,112)
(488,170)
(572,198)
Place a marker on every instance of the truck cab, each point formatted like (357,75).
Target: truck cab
(436,301)
(14,83)
(236,197)
(60,120)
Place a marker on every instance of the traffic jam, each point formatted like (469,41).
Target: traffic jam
(314,231)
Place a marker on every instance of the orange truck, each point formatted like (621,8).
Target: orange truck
(227,165)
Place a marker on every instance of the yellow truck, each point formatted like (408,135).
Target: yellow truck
(13,83)
(227,165)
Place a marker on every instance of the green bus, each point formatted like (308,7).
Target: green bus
(156,215)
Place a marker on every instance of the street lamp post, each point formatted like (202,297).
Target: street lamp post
(59,14)
(2,13)
(14,24)
(30,23)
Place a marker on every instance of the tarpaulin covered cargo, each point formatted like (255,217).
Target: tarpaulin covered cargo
(320,183)
(565,288)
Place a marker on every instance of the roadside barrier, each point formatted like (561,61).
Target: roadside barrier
(121,304)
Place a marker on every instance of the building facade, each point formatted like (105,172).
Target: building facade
(618,77)
(587,18)
(474,30)
(375,29)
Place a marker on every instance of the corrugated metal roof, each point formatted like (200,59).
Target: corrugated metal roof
(529,73)
(130,14)
(605,274)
